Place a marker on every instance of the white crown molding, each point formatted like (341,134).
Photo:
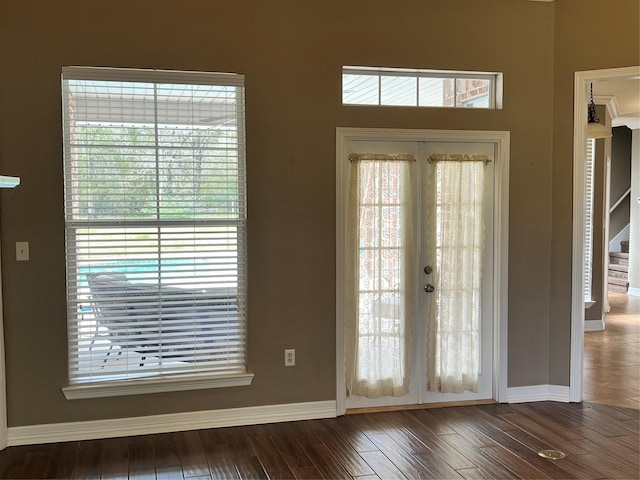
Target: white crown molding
(176,422)
(610,102)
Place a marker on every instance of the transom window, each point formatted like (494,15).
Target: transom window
(154,169)
(420,88)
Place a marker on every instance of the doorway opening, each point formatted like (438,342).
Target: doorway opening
(583,82)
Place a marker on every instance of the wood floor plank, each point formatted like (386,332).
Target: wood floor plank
(341,449)
(165,447)
(473,473)
(250,468)
(474,454)
(465,426)
(435,421)
(382,466)
(514,463)
(115,458)
(65,457)
(547,435)
(270,457)
(191,454)
(356,437)
(142,463)
(88,463)
(219,459)
(292,452)
(418,439)
(170,472)
(409,464)
(323,459)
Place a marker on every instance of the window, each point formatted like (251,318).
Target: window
(421,88)
(154,169)
(588,219)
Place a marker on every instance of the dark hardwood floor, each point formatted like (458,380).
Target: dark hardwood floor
(487,441)
(599,437)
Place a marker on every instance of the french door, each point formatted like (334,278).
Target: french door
(418,284)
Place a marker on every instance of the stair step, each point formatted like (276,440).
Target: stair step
(619,267)
(619,258)
(617,288)
(618,274)
(618,281)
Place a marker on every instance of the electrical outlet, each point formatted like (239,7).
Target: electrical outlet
(290,357)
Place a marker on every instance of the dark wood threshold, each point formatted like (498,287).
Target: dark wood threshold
(422,406)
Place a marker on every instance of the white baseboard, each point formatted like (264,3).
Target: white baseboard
(634,291)
(594,325)
(123,427)
(538,393)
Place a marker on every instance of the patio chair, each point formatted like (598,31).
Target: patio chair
(116,303)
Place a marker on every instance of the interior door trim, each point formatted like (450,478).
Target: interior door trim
(501,236)
(582,80)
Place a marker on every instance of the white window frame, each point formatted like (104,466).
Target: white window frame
(177,381)
(495,80)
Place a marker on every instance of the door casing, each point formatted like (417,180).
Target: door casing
(582,81)
(501,139)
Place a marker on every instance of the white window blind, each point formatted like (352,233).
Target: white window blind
(588,217)
(154,168)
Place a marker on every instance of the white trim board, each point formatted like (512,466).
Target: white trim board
(538,393)
(176,422)
(594,325)
(582,81)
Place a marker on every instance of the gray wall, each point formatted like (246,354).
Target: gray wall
(620,181)
(616,46)
(291,53)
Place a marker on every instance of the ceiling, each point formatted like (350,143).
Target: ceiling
(623,99)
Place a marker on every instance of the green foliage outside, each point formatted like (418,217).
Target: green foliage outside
(138,173)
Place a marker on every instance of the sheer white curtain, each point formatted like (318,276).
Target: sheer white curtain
(454,206)
(380,262)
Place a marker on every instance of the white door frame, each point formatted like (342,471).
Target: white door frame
(501,237)
(3,380)
(580,101)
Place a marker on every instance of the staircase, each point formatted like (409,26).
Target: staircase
(619,269)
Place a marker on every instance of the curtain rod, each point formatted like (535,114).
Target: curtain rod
(379,156)
(442,157)
(436,157)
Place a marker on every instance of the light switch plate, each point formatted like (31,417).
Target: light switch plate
(22,251)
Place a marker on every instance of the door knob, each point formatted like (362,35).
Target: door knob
(429,288)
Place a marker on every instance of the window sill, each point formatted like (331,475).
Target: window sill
(156,385)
